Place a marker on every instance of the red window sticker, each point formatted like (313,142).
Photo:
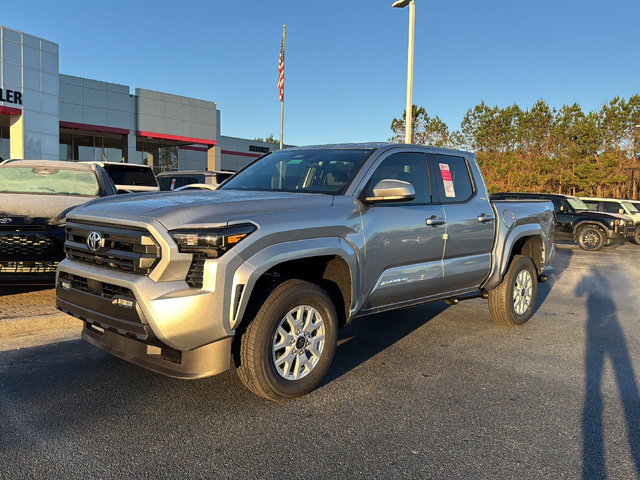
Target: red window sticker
(447,180)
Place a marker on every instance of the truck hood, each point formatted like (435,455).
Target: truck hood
(34,209)
(191,208)
(606,216)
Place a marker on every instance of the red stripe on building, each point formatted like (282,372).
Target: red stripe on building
(164,136)
(241,154)
(94,128)
(10,110)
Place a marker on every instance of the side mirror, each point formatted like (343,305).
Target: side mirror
(387,191)
(621,211)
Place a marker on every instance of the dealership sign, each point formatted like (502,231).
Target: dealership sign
(256,148)
(10,96)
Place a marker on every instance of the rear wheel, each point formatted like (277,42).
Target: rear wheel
(288,347)
(591,238)
(512,302)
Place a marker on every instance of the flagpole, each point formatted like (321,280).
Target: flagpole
(284,29)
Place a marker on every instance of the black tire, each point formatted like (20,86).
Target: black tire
(501,299)
(636,236)
(591,238)
(257,368)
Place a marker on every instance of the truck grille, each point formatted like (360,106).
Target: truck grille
(95,287)
(28,267)
(18,246)
(126,249)
(195,277)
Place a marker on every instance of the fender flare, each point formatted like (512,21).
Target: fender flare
(606,228)
(502,252)
(246,276)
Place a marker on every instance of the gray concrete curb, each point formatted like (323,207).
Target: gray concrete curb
(24,325)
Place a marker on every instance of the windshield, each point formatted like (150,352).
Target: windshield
(128,175)
(46,180)
(631,209)
(308,171)
(577,204)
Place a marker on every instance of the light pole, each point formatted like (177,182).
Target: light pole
(412,22)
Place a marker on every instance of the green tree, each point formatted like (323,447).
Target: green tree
(270,139)
(425,130)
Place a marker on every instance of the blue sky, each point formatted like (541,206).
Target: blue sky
(346,60)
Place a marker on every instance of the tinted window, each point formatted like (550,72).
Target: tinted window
(129,175)
(610,207)
(305,170)
(408,167)
(176,181)
(593,206)
(452,178)
(221,177)
(107,183)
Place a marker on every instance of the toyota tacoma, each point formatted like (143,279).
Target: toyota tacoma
(265,270)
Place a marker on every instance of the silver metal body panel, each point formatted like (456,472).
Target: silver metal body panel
(395,259)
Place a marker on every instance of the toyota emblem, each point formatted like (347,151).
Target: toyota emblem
(5,220)
(94,241)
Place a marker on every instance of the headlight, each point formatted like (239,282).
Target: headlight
(213,242)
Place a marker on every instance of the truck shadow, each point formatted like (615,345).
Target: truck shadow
(605,340)
(560,264)
(368,336)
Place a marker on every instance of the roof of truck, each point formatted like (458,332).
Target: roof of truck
(61,164)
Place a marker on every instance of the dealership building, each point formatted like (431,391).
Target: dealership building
(48,115)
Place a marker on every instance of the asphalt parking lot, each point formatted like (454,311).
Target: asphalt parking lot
(429,392)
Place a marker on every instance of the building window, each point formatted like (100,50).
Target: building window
(5,143)
(161,156)
(86,147)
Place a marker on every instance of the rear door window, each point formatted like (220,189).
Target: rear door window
(611,207)
(593,206)
(452,179)
(131,175)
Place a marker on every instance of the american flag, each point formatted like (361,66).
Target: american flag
(281,71)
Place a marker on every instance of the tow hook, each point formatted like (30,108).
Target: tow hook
(543,278)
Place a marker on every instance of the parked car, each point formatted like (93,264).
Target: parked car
(294,246)
(196,186)
(35,196)
(575,222)
(623,207)
(130,177)
(174,180)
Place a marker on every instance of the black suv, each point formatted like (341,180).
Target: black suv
(575,222)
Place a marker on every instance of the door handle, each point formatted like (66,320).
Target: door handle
(435,221)
(484,218)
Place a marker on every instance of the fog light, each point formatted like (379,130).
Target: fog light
(65,284)
(121,302)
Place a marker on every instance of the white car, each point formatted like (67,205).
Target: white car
(612,205)
(131,177)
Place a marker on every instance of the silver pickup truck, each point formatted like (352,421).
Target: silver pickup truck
(266,269)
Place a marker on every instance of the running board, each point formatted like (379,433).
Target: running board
(457,299)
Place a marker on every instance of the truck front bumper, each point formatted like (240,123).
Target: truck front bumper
(166,327)
(199,363)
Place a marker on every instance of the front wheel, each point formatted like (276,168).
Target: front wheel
(288,347)
(591,238)
(512,302)
(636,236)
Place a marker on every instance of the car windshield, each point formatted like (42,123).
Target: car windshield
(47,180)
(629,206)
(577,204)
(129,175)
(326,171)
